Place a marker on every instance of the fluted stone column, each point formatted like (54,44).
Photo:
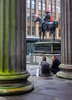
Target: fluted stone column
(66,39)
(13,73)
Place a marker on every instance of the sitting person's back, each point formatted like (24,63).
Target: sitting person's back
(44,68)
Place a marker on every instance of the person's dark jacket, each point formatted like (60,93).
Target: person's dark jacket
(47,18)
(44,68)
(55,66)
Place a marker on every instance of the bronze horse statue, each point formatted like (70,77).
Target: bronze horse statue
(46,26)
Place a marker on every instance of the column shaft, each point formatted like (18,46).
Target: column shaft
(12,30)
(1,32)
(66,39)
(66,33)
(13,73)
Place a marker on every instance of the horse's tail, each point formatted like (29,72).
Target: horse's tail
(56,23)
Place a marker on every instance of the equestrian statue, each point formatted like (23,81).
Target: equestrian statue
(48,24)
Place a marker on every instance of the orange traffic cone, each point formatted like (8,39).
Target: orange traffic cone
(47,10)
(35,15)
(51,19)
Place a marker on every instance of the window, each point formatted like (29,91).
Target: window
(59,20)
(39,5)
(28,17)
(28,3)
(44,6)
(53,17)
(40,15)
(59,32)
(54,2)
(53,8)
(49,7)
(28,30)
(59,10)
(59,6)
(59,16)
(49,1)
(59,0)
(43,16)
(33,4)
(50,34)
(30,48)
(33,18)
(33,30)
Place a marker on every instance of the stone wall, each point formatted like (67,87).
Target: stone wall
(36,58)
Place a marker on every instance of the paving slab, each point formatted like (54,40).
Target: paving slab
(45,88)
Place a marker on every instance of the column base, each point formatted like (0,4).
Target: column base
(66,72)
(15,84)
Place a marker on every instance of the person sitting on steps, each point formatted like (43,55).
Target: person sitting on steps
(55,66)
(44,68)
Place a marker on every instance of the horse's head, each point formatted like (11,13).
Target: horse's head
(37,20)
(36,17)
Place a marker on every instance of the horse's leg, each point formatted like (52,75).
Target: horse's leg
(53,36)
(43,35)
(40,35)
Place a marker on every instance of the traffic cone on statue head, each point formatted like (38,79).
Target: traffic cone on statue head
(47,11)
(35,15)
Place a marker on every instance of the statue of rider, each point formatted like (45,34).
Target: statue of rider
(46,19)
(47,16)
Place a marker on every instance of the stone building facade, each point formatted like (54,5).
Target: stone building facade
(39,7)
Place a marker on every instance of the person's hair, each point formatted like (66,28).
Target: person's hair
(44,58)
(54,56)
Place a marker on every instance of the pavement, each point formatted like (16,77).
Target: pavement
(45,88)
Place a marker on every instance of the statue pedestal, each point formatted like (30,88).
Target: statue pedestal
(48,47)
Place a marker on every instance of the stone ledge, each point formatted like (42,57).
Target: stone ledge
(65,67)
(19,89)
(14,77)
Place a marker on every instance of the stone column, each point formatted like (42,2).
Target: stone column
(57,29)
(66,40)
(37,24)
(13,73)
